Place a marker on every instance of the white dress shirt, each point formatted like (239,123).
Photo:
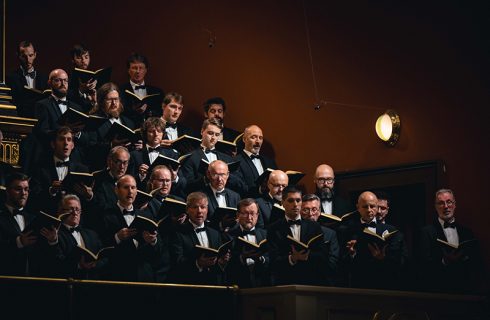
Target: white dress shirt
(257,163)
(450,233)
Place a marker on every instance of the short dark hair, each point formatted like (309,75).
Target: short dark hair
(195,196)
(290,189)
(25,44)
(173,96)
(214,100)
(246,202)
(310,197)
(15,176)
(382,195)
(214,122)
(78,50)
(136,57)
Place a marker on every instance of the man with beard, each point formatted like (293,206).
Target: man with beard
(83,93)
(253,164)
(278,180)
(215,108)
(110,107)
(324,183)
(26,75)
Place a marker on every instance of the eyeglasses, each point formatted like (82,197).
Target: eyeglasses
(449,203)
(72,210)
(308,210)
(327,180)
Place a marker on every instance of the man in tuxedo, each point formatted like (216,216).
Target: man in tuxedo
(215,108)
(446,269)
(383,206)
(172,106)
(252,163)
(49,110)
(219,195)
(137,111)
(248,268)
(310,210)
(68,261)
(160,182)
(82,93)
(210,132)
(141,160)
(330,203)
(136,254)
(17,246)
(278,180)
(288,265)
(371,264)
(26,75)
(54,168)
(187,266)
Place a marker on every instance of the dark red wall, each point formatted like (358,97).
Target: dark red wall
(427,62)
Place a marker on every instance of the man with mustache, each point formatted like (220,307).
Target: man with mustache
(252,163)
(444,269)
(330,203)
(215,108)
(277,182)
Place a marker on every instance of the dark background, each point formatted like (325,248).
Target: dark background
(428,61)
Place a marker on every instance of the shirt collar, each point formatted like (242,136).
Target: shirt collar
(135,84)
(121,208)
(195,226)
(442,221)
(248,153)
(56,159)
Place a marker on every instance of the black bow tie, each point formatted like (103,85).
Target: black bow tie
(449,225)
(254,156)
(371,224)
(62,163)
(220,193)
(206,151)
(31,74)
(150,149)
(294,222)
(61,102)
(128,213)
(171,125)
(197,230)
(17,212)
(251,232)
(143,87)
(77,228)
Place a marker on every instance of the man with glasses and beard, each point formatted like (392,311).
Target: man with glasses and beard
(330,202)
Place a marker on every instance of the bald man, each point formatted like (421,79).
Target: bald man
(324,183)
(278,180)
(371,265)
(252,163)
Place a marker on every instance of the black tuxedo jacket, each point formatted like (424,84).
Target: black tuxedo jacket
(365,270)
(183,257)
(153,110)
(127,261)
(15,260)
(238,273)
(48,113)
(43,178)
(250,174)
(331,241)
(16,81)
(67,257)
(266,215)
(190,169)
(139,157)
(310,272)
(183,130)
(459,277)
(340,206)
(232,199)
(230,134)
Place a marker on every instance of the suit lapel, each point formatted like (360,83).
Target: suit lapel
(251,165)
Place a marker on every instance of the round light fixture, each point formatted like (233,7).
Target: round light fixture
(388,127)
